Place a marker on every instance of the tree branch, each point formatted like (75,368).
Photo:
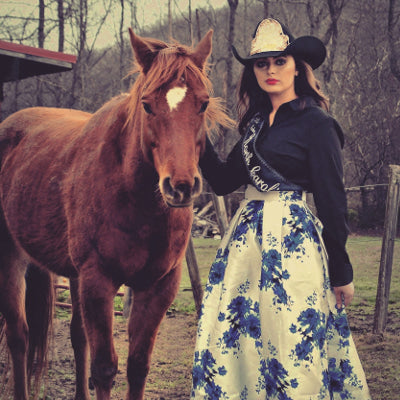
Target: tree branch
(393,40)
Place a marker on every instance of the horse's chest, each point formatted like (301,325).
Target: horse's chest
(146,245)
(161,239)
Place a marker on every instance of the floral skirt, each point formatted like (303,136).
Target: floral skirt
(269,326)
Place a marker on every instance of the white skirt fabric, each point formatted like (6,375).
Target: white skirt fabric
(269,326)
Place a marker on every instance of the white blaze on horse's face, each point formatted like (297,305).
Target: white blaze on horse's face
(175,96)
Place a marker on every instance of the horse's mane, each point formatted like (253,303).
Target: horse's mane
(172,62)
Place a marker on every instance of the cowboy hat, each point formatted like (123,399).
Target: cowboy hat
(272,39)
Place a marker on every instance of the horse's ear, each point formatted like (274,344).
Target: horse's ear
(144,53)
(203,50)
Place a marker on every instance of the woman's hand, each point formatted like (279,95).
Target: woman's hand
(344,294)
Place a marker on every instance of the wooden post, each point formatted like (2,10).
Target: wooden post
(194,275)
(191,261)
(389,236)
(220,211)
(128,300)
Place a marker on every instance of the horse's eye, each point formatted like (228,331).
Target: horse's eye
(147,108)
(203,107)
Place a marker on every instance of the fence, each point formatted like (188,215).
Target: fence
(386,262)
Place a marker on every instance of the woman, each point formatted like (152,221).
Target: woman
(273,324)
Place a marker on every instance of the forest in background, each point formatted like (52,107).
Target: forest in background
(361,74)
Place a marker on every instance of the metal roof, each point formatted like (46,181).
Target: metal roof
(18,61)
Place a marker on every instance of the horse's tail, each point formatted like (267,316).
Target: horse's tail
(4,363)
(39,303)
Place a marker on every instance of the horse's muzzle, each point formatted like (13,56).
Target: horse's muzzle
(181,194)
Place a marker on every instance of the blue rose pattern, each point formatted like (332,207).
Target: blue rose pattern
(204,371)
(243,318)
(274,379)
(319,334)
(302,229)
(249,220)
(273,277)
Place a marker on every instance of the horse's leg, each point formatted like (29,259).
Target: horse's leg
(148,310)
(79,344)
(97,300)
(12,306)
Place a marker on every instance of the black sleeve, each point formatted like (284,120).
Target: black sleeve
(223,176)
(326,168)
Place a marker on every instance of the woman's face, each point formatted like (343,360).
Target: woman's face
(275,75)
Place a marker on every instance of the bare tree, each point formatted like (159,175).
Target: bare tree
(41,24)
(393,37)
(317,13)
(315,16)
(266,8)
(198,25)
(61,27)
(169,20)
(41,37)
(134,23)
(367,100)
(230,87)
(335,10)
(121,44)
(81,22)
(190,23)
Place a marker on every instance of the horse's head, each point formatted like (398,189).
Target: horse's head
(174,96)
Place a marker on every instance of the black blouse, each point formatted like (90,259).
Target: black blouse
(304,145)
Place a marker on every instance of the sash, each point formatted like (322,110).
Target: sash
(263,176)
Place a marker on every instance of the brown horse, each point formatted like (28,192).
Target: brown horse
(104,199)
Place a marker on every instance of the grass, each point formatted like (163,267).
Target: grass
(205,253)
(379,354)
(364,253)
(64,296)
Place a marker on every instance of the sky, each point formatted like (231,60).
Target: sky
(149,12)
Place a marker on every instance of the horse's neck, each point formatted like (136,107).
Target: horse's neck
(139,174)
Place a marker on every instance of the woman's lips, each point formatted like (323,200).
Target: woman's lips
(272,81)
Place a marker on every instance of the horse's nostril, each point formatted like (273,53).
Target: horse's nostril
(197,186)
(184,189)
(182,193)
(166,185)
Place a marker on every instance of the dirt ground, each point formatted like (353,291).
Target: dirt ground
(170,379)
(170,373)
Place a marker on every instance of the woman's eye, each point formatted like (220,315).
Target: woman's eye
(147,108)
(261,64)
(280,61)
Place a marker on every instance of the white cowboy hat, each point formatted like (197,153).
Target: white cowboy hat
(272,39)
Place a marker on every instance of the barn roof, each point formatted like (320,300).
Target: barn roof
(18,61)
